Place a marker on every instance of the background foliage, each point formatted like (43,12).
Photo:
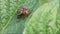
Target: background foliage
(44,17)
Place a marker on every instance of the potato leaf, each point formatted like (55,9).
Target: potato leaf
(8,15)
(44,20)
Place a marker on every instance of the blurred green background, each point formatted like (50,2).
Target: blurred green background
(44,17)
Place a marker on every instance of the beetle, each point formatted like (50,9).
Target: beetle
(23,12)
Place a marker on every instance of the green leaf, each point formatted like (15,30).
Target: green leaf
(44,17)
(8,15)
(44,20)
